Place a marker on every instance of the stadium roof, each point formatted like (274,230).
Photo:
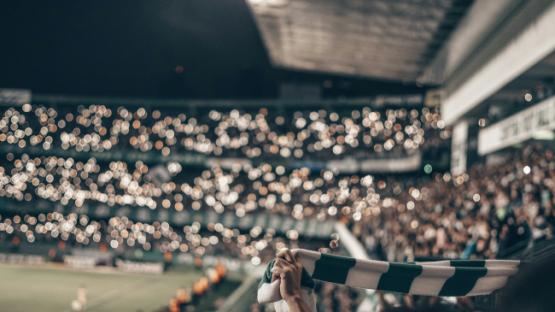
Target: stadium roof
(384,39)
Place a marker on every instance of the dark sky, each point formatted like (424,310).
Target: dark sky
(149,48)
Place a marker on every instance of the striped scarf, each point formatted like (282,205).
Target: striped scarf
(435,278)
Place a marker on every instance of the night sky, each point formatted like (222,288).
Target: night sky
(149,48)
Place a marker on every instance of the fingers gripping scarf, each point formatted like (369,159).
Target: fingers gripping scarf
(436,278)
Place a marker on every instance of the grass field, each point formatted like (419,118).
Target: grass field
(25,288)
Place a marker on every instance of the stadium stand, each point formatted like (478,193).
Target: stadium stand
(403,152)
(248,210)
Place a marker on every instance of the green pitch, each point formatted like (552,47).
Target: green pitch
(24,288)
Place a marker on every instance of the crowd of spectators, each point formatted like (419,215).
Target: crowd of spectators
(332,297)
(496,208)
(121,234)
(267,132)
(497,205)
(480,214)
(243,188)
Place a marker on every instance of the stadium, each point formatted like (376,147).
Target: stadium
(277,155)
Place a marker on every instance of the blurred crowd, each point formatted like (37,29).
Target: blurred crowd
(478,214)
(481,214)
(121,234)
(243,188)
(273,133)
(504,202)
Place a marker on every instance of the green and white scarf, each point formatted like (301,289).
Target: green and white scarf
(435,278)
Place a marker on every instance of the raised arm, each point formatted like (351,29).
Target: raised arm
(289,270)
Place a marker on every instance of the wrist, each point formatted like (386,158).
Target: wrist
(294,299)
(297,304)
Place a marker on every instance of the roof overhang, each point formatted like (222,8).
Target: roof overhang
(392,40)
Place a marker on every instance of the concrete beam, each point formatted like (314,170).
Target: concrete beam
(531,37)
(480,21)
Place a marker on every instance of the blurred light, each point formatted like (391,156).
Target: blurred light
(114,244)
(528,97)
(255,260)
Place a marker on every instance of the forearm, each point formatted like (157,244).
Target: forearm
(297,304)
